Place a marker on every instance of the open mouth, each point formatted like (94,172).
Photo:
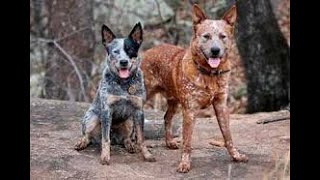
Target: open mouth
(212,61)
(123,73)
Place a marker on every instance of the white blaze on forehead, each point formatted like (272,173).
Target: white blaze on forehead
(123,53)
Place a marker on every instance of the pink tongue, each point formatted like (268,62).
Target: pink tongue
(124,73)
(214,62)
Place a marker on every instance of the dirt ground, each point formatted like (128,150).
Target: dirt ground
(55,127)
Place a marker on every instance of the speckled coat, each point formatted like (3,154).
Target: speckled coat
(189,77)
(117,110)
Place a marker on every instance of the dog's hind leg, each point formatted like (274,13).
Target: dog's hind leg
(220,107)
(172,108)
(138,120)
(90,128)
(126,130)
(187,130)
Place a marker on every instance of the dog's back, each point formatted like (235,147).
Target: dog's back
(157,66)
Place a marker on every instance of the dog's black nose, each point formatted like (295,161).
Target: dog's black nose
(123,62)
(215,51)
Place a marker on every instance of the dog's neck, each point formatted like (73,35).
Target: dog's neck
(210,72)
(193,75)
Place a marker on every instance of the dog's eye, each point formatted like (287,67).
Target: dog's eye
(207,36)
(116,51)
(132,53)
(222,36)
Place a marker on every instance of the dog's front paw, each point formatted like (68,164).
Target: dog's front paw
(105,157)
(172,144)
(240,158)
(80,145)
(184,167)
(236,156)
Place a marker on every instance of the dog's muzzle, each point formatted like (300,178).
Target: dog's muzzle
(124,63)
(124,71)
(215,51)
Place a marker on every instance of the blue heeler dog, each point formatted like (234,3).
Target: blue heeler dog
(117,111)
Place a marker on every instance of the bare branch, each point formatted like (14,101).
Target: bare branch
(162,20)
(274,119)
(71,34)
(75,67)
(44,40)
(70,59)
(159,11)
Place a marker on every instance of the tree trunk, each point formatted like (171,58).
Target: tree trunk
(265,55)
(70,23)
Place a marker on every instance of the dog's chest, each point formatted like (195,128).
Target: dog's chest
(123,107)
(200,93)
(124,100)
(200,97)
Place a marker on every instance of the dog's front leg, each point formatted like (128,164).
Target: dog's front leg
(105,131)
(187,130)
(138,121)
(222,114)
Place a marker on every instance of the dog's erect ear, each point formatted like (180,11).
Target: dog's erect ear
(231,15)
(136,33)
(107,35)
(197,15)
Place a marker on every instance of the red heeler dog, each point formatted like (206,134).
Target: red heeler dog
(195,78)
